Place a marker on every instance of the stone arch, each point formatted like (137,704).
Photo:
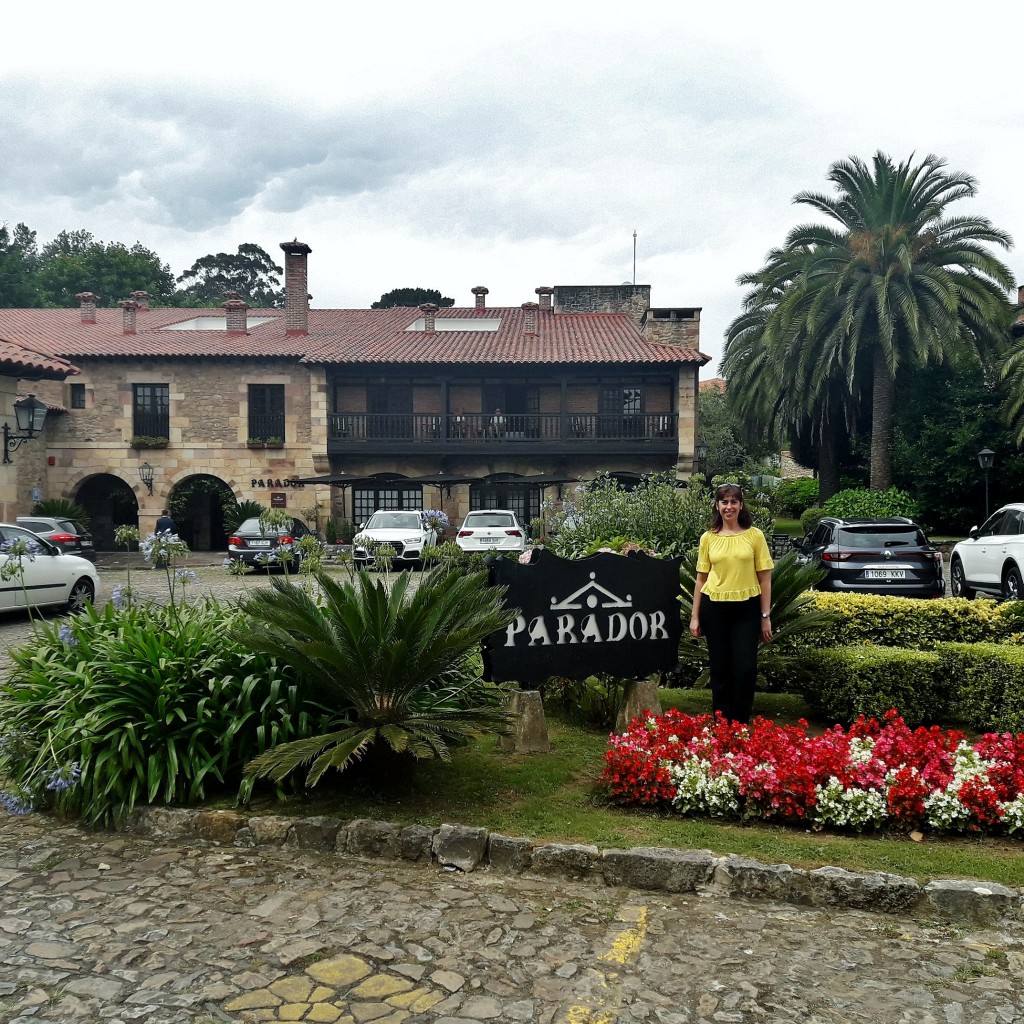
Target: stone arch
(110,501)
(196,503)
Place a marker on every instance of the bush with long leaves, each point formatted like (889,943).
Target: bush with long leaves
(403,663)
(794,615)
(141,704)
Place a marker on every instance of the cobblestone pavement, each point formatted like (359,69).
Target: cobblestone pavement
(110,927)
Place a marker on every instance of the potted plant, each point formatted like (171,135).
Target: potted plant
(254,442)
(274,442)
(142,441)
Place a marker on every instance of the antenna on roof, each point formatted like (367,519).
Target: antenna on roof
(634,257)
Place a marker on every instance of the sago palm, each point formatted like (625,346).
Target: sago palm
(404,663)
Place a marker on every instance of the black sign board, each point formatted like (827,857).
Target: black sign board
(577,617)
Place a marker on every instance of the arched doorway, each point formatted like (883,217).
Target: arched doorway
(197,505)
(110,503)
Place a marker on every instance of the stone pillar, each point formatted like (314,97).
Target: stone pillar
(528,728)
(641,696)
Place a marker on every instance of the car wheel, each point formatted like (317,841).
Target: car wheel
(1013,585)
(82,594)
(958,581)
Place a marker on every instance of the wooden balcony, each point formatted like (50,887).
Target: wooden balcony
(543,433)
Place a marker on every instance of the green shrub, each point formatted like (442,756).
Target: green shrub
(793,497)
(810,518)
(330,532)
(594,701)
(862,503)
(62,508)
(989,684)
(911,623)
(842,683)
(150,704)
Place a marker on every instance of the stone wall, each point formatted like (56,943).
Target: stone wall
(634,299)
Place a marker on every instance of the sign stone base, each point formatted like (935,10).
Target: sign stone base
(528,728)
(641,696)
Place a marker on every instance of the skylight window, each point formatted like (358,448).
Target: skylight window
(454,323)
(213,323)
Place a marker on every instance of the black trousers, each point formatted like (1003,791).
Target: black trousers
(733,632)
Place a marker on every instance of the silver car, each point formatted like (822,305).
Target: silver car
(991,559)
(492,529)
(68,534)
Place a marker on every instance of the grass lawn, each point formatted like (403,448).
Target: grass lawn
(557,797)
(790,527)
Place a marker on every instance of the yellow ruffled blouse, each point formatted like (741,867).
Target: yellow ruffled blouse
(732,562)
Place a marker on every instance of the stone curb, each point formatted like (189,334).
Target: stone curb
(462,848)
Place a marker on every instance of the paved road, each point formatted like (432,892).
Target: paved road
(114,928)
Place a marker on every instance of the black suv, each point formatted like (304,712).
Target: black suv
(875,556)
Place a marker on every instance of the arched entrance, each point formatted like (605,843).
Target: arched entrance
(110,503)
(197,505)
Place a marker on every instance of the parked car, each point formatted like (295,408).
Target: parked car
(252,543)
(406,534)
(495,529)
(47,576)
(68,534)
(991,559)
(875,556)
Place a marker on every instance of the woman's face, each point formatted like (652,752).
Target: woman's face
(729,506)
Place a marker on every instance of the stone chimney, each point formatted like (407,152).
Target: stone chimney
(142,298)
(429,310)
(1020,294)
(296,294)
(234,311)
(87,301)
(128,307)
(544,293)
(530,318)
(481,296)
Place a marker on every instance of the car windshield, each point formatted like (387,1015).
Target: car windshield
(255,526)
(875,538)
(485,519)
(394,521)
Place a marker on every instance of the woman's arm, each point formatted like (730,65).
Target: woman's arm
(764,578)
(701,579)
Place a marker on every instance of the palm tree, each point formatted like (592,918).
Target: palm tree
(403,664)
(895,283)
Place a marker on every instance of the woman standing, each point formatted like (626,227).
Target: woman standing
(732,601)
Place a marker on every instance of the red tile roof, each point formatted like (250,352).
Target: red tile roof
(713,384)
(18,361)
(348,336)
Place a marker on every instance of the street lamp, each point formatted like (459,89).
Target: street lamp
(985,459)
(30,414)
(146,475)
(702,456)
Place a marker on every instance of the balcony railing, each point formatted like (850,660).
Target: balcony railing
(492,428)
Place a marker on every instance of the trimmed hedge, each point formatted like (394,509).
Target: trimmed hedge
(843,683)
(988,680)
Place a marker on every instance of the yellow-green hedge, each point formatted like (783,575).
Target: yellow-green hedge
(987,681)
(917,624)
(844,682)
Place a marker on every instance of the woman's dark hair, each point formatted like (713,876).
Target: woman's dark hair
(745,519)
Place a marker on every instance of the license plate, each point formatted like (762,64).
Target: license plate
(489,540)
(258,543)
(885,574)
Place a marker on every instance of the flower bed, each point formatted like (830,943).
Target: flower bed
(874,775)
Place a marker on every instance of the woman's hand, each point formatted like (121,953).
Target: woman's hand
(694,626)
(766,630)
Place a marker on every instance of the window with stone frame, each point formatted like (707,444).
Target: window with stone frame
(151,410)
(266,412)
(77,396)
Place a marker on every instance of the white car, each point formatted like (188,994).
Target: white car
(41,574)
(492,529)
(991,559)
(405,533)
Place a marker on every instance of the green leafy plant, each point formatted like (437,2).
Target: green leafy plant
(404,663)
(142,704)
(810,518)
(331,532)
(143,441)
(236,512)
(861,503)
(62,508)
(793,497)
(255,442)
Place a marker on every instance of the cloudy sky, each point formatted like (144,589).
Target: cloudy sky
(512,145)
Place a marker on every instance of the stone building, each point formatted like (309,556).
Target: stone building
(341,411)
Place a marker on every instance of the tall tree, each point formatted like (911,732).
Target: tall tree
(74,261)
(896,283)
(250,272)
(411,297)
(19,262)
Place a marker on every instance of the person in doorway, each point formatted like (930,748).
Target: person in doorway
(732,602)
(497,424)
(459,427)
(165,524)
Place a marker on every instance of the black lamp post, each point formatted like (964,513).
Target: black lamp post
(146,475)
(702,456)
(985,459)
(30,414)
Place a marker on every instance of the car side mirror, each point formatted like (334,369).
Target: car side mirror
(973,533)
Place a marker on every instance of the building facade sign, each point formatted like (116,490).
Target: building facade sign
(270,482)
(578,617)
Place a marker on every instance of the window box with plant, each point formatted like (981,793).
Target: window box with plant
(255,442)
(143,441)
(274,442)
